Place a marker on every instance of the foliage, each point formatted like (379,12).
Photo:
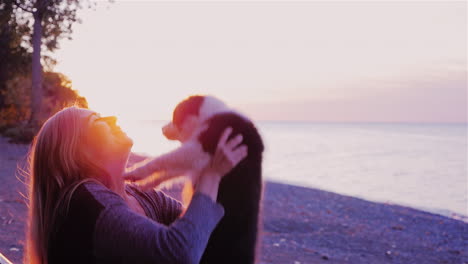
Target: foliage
(14,116)
(17,62)
(17,102)
(59,94)
(57,17)
(51,20)
(15,59)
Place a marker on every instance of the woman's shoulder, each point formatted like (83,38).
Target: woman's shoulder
(159,206)
(95,192)
(76,225)
(154,196)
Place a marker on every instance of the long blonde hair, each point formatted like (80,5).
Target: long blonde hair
(58,164)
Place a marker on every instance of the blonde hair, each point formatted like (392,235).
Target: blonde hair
(58,164)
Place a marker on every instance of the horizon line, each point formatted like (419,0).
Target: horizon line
(337,122)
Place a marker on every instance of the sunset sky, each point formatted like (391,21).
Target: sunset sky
(317,61)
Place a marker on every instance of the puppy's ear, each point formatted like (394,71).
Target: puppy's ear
(170,131)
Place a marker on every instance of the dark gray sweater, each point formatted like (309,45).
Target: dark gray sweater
(101,228)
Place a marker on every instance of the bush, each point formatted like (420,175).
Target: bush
(22,134)
(15,115)
(17,103)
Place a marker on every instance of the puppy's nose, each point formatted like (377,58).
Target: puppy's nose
(170,131)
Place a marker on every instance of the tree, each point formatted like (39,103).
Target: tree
(15,60)
(52,20)
(30,31)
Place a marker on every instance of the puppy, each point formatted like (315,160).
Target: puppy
(198,123)
(188,122)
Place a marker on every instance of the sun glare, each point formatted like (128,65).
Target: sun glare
(334,54)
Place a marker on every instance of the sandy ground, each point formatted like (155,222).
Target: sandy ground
(300,225)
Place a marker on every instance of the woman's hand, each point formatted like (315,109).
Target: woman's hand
(228,154)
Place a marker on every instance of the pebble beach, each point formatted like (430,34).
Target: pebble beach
(299,225)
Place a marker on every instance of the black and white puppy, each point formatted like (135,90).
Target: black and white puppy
(198,123)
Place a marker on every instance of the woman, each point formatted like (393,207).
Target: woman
(81,211)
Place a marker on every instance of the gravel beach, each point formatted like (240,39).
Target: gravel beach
(299,225)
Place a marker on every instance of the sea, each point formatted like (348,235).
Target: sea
(423,166)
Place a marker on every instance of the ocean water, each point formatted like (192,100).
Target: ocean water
(418,165)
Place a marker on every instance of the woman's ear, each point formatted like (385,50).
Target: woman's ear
(86,150)
(91,149)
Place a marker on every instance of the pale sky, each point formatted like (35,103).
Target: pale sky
(318,61)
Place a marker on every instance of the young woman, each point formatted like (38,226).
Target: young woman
(81,211)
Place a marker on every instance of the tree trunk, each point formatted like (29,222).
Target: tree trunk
(36,95)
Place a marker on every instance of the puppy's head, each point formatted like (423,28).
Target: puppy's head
(190,114)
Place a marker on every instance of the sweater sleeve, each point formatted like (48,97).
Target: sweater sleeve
(123,236)
(169,208)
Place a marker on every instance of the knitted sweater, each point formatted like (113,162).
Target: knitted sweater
(101,228)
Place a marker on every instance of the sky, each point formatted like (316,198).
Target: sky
(298,61)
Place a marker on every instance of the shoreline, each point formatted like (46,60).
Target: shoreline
(436,211)
(299,225)
(137,157)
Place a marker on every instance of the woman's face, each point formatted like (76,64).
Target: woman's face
(104,138)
